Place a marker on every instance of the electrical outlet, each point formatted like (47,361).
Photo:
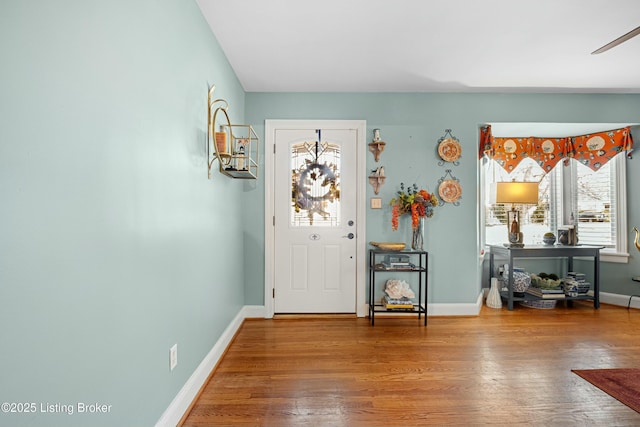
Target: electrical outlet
(173,356)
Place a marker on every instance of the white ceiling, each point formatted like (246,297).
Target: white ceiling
(428,45)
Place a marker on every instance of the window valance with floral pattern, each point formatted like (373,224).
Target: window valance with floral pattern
(592,150)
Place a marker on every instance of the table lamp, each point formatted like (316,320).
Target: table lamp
(525,193)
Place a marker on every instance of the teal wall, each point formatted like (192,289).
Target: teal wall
(411,124)
(114,245)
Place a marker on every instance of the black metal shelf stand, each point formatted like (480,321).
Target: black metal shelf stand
(421,268)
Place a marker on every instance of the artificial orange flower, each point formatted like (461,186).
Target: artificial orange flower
(395,214)
(419,203)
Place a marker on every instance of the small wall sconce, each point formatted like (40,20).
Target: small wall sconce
(377,178)
(376,146)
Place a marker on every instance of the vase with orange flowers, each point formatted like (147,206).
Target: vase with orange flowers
(417,202)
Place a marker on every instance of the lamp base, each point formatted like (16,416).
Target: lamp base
(515,240)
(513,245)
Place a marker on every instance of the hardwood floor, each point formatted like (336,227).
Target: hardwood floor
(500,368)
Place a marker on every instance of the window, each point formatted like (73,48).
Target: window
(594,201)
(315,184)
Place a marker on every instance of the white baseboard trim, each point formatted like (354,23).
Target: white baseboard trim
(618,299)
(182,401)
(456,309)
(444,309)
(254,311)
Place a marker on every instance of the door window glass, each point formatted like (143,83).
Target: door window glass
(315,183)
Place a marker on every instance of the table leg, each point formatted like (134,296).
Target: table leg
(596,280)
(510,283)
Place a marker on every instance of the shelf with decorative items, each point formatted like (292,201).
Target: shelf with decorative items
(377,145)
(377,178)
(235,146)
(517,282)
(398,295)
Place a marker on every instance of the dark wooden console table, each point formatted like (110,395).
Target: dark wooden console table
(554,251)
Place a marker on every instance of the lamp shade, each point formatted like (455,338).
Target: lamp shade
(517,192)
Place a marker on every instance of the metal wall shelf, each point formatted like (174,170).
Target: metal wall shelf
(235,146)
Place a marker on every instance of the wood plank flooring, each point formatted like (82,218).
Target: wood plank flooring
(500,368)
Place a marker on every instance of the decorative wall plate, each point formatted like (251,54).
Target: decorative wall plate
(449,148)
(450,190)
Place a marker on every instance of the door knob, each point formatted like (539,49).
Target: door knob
(350,236)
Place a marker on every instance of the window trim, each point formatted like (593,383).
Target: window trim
(621,253)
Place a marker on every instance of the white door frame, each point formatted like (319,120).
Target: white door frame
(269,208)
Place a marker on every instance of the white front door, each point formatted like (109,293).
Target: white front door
(315,208)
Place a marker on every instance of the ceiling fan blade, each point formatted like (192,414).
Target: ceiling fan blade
(617,41)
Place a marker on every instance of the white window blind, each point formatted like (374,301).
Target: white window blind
(595,204)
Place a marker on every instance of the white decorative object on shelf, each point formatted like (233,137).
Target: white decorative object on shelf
(397,289)
(376,146)
(521,279)
(377,178)
(493,299)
